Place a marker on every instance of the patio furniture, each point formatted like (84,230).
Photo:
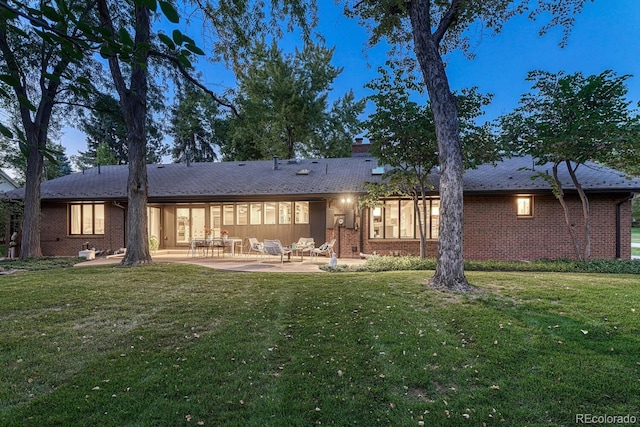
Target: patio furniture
(199,246)
(305,244)
(255,246)
(325,249)
(274,247)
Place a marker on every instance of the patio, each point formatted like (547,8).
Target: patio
(237,262)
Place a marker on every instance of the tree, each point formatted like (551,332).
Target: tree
(283,105)
(42,49)
(403,136)
(569,120)
(431,29)
(106,127)
(196,126)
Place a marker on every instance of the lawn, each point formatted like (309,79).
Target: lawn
(172,345)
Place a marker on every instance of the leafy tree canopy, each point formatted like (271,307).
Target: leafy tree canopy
(283,106)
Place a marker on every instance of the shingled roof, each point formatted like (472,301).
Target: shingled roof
(308,178)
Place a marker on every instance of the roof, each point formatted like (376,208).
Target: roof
(6,182)
(256,179)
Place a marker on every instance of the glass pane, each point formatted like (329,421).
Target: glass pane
(183,226)
(98,212)
(406,219)
(197,223)
(285,212)
(256,213)
(391,222)
(435,218)
(375,231)
(87,219)
(302,212)
(227,214)
(270,213)
(76,219)
(242,211)
(215,222)
(524,206)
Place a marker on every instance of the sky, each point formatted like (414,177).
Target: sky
(606,35)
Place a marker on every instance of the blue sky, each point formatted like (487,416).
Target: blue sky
(606,35)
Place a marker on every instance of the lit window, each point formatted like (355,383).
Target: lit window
(285,212)
(86,218)
(242,214)
(524,206)
(270,213)
(396,219)
(256,214)
(302,212)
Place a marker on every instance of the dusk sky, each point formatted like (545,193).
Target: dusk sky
(606,35)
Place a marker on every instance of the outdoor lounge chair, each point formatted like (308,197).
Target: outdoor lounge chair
(274,247)
(255,246)
(305,244)
(325,249)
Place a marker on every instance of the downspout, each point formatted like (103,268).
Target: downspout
(619,224)
(124,222)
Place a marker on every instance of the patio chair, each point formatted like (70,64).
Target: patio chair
(325,249)
(274,247)
(305,244)
(255,246)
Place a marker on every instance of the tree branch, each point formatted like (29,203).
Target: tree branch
(185,73)
(447,20)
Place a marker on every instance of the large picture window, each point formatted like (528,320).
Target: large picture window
(86,218)
(396,219)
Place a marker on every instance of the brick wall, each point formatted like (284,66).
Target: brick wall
(55,240)
(493,231)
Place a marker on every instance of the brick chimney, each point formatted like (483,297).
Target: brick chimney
(359,148)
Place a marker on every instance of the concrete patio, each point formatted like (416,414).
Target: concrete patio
(237,262)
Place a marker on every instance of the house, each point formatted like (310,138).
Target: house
(507,214)
(6,182)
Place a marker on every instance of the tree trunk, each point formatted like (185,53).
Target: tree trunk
(586,215)
(449,272)
(567,216)
(134,105)
(30,242)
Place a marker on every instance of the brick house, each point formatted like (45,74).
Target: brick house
(507,215)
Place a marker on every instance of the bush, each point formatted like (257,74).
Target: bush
(388,263)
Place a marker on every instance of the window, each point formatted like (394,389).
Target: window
(302,212)
(256,214)
(242,214)
(86,218)
(270,213)
(190,224)
(524,206)
(285,212)
(396,219)
(227,215)
(215,220)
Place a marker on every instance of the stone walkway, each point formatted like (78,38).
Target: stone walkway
(238,262)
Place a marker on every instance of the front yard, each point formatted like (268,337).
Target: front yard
(185,345)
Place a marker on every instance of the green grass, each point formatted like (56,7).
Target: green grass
(170,344)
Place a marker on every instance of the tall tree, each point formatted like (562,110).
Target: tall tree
(132,90)
(431,29)
(404,137)
(284,108)
(568,120)
(106,127)
(42,49)
(196,126)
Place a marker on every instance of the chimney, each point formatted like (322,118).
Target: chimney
(275,162)
(359,148)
